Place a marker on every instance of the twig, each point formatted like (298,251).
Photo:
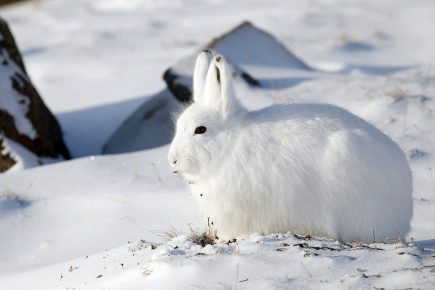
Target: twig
(309,274)
(237,277)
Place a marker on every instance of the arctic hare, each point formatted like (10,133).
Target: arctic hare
(306,168)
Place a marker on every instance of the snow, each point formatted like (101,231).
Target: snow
(16,105)
(95,62)
(23,157)
(259,262)
(92,204)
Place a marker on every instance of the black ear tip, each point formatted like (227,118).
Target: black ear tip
(207,51)
(218,58)
(218,75)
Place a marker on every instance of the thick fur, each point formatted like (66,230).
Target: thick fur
(307,168)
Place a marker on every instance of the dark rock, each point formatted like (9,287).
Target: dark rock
(8,2)
(180,89)
(6,160)
(20,93)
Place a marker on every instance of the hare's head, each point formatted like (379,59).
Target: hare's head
(205,130)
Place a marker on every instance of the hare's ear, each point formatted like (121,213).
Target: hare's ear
(219,92)
(200,73)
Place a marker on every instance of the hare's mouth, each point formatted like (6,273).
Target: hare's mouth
(186,166)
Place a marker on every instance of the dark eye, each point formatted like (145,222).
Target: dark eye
(200,130)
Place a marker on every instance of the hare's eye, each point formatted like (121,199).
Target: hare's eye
(200,130)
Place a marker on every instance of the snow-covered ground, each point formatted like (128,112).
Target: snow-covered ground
(95,222)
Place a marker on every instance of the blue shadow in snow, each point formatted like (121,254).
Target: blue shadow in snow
(86,131)
(282,83)
(425,244)
(12,203)
(374,70)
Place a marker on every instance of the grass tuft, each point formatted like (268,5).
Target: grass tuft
(207,237)
(203,238)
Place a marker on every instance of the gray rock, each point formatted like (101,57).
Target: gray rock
(246,47)
(150,126)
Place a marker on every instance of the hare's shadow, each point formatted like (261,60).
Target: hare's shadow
(425,244)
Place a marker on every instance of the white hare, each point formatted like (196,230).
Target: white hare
(306,168)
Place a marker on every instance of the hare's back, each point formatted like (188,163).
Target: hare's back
(315,134)
(345,168)
(308,115)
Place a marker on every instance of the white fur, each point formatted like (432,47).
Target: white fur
(307,168)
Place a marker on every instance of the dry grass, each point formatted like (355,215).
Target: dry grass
(170,234)
(207,237)
(8,194)
(203,238)
(146,271)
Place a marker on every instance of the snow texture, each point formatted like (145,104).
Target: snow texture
(258,262)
